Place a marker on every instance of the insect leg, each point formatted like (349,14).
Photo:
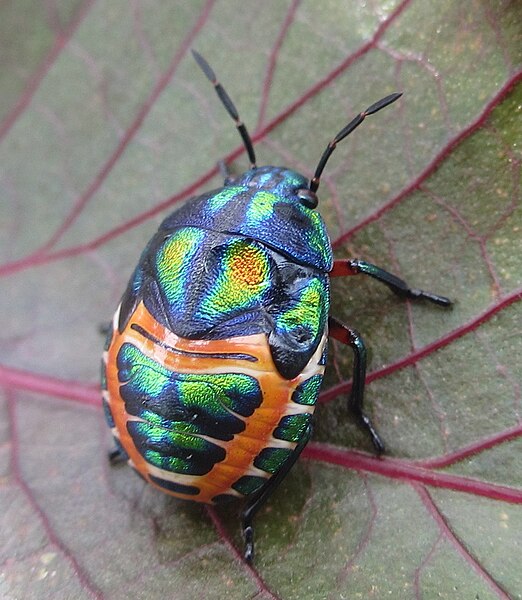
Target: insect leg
(117,455)
(266,491)
(351,337)
(105,328)
(226,173)
(223,169)
(397,285)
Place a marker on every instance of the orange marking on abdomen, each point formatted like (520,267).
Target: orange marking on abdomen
(245,446)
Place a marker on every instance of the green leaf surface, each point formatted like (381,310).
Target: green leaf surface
(106,125)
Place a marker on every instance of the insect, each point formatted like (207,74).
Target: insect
(216,353)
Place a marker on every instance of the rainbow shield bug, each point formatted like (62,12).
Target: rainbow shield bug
(217,350)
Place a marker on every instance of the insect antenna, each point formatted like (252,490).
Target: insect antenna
(228,104)
(314,183)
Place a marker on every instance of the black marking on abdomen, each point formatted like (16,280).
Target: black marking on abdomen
(172,486)
(225,355)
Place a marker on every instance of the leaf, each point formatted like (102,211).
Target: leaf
(107,125)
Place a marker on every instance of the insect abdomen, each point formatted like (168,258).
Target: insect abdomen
(203,419)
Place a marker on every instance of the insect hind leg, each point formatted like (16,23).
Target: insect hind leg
(352,338)
(266,491)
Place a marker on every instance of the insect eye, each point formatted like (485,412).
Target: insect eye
(307,198)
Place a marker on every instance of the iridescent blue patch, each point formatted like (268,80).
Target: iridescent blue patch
(262,205)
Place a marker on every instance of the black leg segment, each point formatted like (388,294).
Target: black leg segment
(117,455)
(397,285)
(351,337)
(265,492)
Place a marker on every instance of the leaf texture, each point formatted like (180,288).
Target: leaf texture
(106,125)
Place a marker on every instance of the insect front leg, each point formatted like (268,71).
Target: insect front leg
(266,491)
(226,173)
(352,338)
(397,285)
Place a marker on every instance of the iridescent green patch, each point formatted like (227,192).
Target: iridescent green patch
(249,484)
(209,404)
(173,263)
(242,278)
(180,413)
(261,208)
(308,391)
(271,459)
(304,318)
(174,451)
(292,427)
(220,200)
